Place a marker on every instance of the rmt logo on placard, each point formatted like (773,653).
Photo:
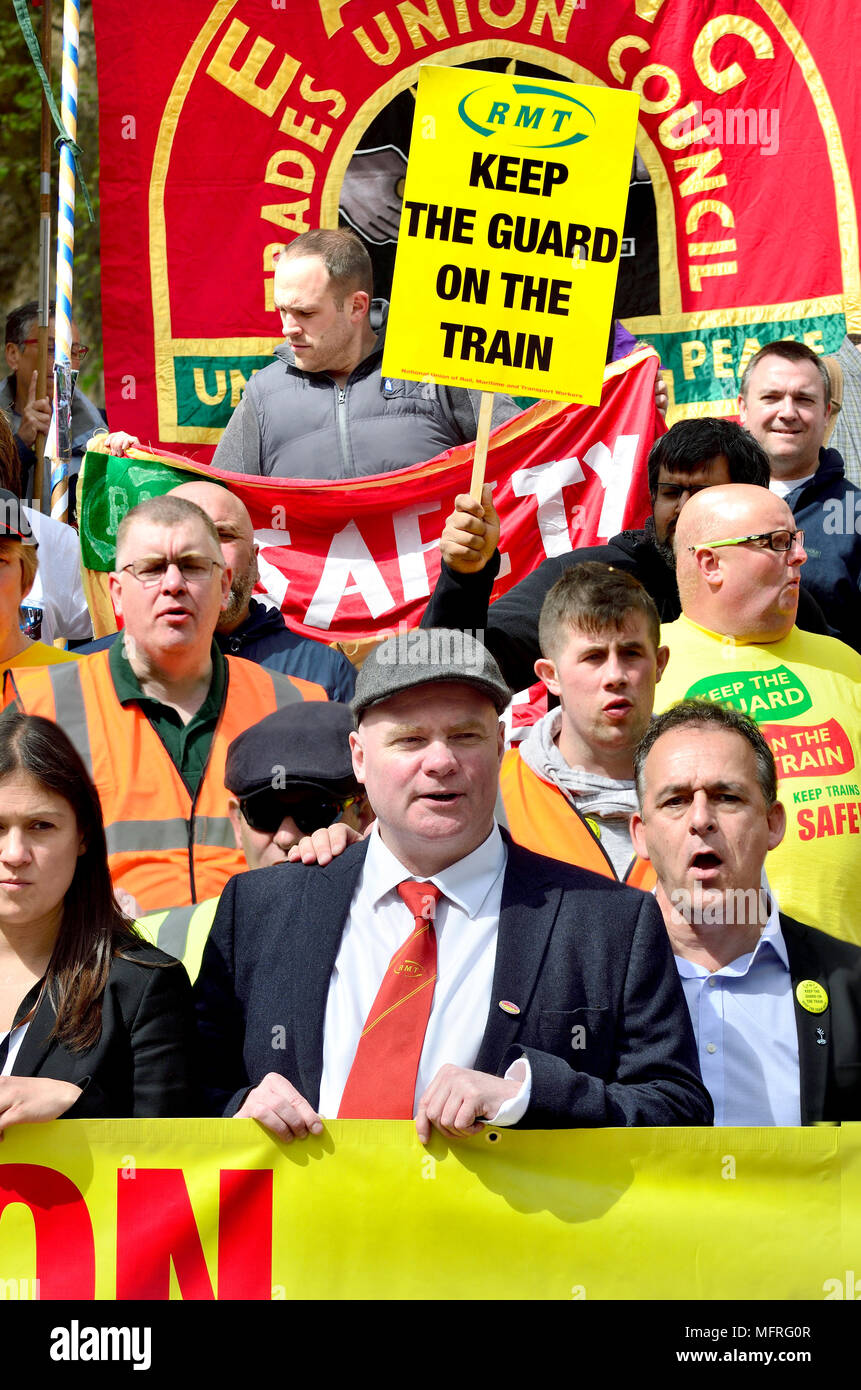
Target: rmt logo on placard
(536,117)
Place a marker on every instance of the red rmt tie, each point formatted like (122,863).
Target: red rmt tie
(382,1080)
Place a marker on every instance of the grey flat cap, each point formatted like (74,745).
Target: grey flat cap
(423,657)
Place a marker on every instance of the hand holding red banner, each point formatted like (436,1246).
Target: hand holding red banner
(350,560)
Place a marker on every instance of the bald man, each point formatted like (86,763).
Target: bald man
(738,561)
(743,587)
(248,628)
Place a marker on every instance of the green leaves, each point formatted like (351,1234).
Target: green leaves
(21,104)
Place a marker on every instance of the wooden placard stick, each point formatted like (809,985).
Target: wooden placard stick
(479,462)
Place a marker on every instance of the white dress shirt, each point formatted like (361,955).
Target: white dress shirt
(466,923)
(14,1047)
(747,1039)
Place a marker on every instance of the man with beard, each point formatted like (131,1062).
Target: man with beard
(249,628)
(693,455)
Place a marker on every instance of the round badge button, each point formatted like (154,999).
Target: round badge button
(811,996)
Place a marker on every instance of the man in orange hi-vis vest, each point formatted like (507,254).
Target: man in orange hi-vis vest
(567,790)
(152,717)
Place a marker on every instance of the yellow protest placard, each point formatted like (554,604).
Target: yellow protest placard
(511,231)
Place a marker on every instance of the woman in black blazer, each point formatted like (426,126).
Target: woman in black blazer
(93,1021)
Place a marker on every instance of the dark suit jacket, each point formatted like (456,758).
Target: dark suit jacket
(143,1062)
(575,951)
(829,1044)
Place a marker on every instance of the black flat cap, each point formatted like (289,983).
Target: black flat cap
(306,744)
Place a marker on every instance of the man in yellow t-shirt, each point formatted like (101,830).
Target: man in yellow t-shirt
(739,557)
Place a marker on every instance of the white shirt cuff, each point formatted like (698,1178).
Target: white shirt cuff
(513,1109)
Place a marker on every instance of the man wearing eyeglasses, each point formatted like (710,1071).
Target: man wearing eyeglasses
(153,717)
(246,627)
(28,415)
(693,455)
(739,559)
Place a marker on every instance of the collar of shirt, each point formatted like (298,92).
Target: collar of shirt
(466,882)
(747,1039)
(783,489)
(466,923)
(10,1042)
(731,644)
(128,687)
(771,940)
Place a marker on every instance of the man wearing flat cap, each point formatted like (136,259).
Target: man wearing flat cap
(288,775)
(436,970)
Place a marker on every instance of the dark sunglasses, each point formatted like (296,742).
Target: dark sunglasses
(265,812)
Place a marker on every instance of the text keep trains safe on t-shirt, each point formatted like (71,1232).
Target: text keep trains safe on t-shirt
(805,694)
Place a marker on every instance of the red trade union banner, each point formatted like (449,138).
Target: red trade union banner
(351,560)
(227,128)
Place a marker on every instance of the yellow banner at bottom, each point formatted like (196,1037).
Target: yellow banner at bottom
(204,1209)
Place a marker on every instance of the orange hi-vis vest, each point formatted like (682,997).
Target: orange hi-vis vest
(165,847)
(541,818)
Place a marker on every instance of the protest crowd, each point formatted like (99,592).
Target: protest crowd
(242,876)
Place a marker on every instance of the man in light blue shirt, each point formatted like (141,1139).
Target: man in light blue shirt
(775,1004)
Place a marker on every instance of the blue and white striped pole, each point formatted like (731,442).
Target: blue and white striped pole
(65,265)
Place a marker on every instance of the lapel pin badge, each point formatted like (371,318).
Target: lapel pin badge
(820,1037)
(508,1008)
(811,996)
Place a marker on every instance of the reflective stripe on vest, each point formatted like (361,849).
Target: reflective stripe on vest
(71,711)
(289,689)
(539,817)
(125,836)
(65,681)
(165,847)
(181,932)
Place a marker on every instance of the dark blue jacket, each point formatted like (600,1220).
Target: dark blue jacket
(828,509)
(579,953)
(265,637)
